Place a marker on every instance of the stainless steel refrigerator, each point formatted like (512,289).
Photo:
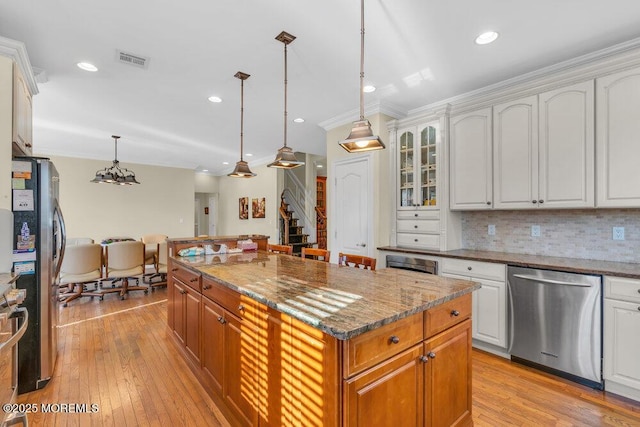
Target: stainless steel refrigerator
(39,240)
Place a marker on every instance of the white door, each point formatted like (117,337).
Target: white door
(213,215)
(352,206)
(196,217)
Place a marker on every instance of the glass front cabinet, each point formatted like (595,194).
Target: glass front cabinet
(417,166)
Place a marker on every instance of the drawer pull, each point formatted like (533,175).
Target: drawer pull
(455,313)
(541,201)
(534,201)
(241,307)
(221,320)
(431,354)
(195,279)
(182,292)
(174,269)
(415,240)
(639,291)
(206,287)
(394,339)
(424,359)
(488,203)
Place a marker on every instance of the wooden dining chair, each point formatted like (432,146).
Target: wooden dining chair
(280,249)
(316,254)
(357,261)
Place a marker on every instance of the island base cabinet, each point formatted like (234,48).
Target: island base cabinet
(388,395)
(447,394)
(186,317)
(212,344)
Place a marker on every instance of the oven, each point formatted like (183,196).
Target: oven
(13,323)
(414,264)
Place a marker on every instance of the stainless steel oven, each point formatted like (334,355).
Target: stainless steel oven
(13,324)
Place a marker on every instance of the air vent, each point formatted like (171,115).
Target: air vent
(131,59)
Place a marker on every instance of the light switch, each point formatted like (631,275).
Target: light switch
(491,230)
(535,231)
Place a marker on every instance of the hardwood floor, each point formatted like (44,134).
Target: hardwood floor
(117,354)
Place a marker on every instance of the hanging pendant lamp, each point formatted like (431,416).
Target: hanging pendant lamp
(361,137)
(115,174)
(242,168)
(285,158)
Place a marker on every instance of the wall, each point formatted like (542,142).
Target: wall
(265,184)
(583,234)
(382,191)
(162,203)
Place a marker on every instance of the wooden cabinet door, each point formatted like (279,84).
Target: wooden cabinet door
(192,322)
(622,342)
(213,343)
(566,147)
(179,320)
(470,160)
(388,395)
(617,148)
(515,154)
(447,394)
(240,387)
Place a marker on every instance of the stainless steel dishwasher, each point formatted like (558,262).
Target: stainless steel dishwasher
(555,321)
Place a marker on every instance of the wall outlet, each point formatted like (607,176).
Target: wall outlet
(618,233)
(491,230)
(535,231)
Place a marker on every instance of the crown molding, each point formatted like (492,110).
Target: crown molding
(377,107)
(18,52)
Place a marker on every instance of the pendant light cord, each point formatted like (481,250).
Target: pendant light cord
(285,94)
(361,60)
(115,140)
(241,118)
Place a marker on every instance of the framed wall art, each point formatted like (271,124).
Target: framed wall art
(258,207)
(243,208)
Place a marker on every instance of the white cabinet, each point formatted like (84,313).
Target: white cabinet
(418,148)
(618,150)
(621,336)
(418,229)
(22,110)
(489,306)
(471,160)
(543,149)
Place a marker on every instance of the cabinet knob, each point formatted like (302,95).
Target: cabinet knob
(394,339)
(424,359)
(415,240)
(174,269)
(182,292)
(639,291)
(534,201)
(469,268)
(431,354)
(541,201)
(206,287)
(195,279)
(455,313)
(221,320)
(416,215)
(415,226)
(241,307)
(488,203)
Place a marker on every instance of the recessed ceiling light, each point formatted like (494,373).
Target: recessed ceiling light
(486,38)
(87,66)
(205,170)
(215,99)
(368,89)
(299,120)
(225,163)
(248,154)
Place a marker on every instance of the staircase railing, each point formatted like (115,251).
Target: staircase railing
(297,200)
(284,215)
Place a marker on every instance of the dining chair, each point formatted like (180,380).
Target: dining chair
(151,251)
(81,265)
(357,261)
(280,249)
(160,267)
(316,254)
(124,261)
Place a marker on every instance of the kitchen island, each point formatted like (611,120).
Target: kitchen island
(278,340)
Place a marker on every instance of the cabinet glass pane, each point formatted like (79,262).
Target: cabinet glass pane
(428,166)
(406,169)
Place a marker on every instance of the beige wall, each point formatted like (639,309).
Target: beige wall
(206,183)
(382,182)
(162,203)
(263,185)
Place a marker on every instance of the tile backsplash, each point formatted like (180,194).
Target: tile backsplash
(586,234)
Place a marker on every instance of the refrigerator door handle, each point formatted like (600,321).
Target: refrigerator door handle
(57,212)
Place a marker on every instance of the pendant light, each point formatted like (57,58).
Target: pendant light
(115,174)
(285,158)
(242,168)
(361,137)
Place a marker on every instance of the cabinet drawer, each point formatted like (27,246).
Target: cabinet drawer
(483,270)
(622,288)
(186,276)
(227,298)
(444,316)
(427,241)
(372,347)
(413,214)
(418,226)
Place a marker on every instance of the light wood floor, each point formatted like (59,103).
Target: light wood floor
(117,354)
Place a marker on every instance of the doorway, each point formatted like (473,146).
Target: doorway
(206,214)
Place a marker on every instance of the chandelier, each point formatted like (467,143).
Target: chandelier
(115,174)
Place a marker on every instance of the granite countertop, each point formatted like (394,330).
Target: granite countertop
(214,238)
(573,265)
(341,301)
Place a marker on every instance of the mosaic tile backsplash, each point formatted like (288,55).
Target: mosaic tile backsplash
(586,234)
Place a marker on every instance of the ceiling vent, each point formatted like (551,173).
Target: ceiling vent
(131,59)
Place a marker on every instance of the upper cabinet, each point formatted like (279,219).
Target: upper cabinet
(618,150)
(22,110)
(417,166)
(544,150)
(470,160)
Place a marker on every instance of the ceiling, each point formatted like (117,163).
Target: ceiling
(417,52)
